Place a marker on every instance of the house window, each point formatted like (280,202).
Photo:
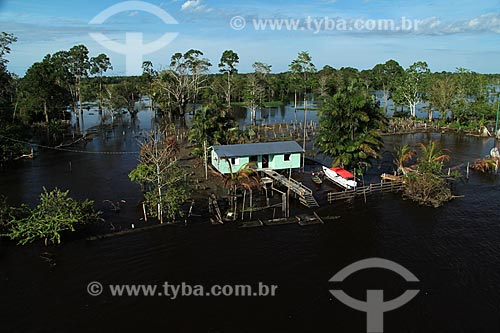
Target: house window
(235,161)
(288,157)
(254,162)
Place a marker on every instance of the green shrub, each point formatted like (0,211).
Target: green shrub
(56,213)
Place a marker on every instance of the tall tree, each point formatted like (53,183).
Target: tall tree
(100,65)
(76,64)
(325,81)
(470,88)
(198,70)
(124,94)
(6,39)
(165,181)
(79,66)
(181,83)
(262,72)
(253,95)
(386,77)
(412,87)
(149,75)
(8,105)
(41,91)
(229,65)
(5,78)
(302,69)
(442,94)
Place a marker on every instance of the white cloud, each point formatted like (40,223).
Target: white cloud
(192,6)
(486,23)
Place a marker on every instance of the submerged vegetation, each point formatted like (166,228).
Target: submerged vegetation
(425,182)
(38,109)
(55,214)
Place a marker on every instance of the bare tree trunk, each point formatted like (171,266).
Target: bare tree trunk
(235,200)
(160,208)
(229,89)
(243,206)
(251,203)
(45,112)
(305,136)
(80,101)
(100,94)
(386,99)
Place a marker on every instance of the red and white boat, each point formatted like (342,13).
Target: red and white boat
(341,177)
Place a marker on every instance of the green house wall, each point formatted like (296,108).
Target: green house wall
(276,162)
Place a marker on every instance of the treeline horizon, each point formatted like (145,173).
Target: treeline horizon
(58,85)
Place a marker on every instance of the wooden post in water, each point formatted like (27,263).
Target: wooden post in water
(468,170)
(144,212)
(206,159)
(243,207)
(364,191)
(283,205)
(288,203)
(251,204)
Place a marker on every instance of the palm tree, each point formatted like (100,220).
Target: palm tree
(349,126)
(246,177)
(432,153)
(402,155)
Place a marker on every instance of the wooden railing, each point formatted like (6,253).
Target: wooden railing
(382,187)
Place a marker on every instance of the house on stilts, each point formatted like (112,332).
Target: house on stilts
(261,156)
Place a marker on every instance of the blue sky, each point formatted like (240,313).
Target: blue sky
(451,34)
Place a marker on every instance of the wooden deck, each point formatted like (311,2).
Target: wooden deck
(305,194)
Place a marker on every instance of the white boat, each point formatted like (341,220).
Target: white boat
(341,177)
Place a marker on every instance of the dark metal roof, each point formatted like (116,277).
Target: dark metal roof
(252,149)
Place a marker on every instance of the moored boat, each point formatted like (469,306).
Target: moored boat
(341,177)
(316,179)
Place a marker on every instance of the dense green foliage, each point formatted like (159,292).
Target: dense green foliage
(349,128)
(61,81)
(214,127)
(426,185)
(56,213)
